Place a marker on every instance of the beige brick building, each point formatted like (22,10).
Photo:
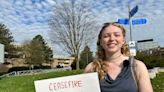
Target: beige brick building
(57,60)
(62,61)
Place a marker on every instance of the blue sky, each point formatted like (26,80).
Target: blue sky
(27,18)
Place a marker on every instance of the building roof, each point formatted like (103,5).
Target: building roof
(62,57)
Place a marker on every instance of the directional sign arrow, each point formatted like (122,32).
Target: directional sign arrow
(123,21)
(139,21)
(133,11)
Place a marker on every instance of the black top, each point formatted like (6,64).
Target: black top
(123,83)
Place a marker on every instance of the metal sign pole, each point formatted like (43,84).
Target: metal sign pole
(130,23)
(132,12)
(132,47)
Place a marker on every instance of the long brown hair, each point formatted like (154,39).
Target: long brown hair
(98,64)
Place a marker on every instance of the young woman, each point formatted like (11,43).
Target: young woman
(113,63)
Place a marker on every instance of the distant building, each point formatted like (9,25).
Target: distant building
(147,44)
(155,52)
(158,51)
(63,61)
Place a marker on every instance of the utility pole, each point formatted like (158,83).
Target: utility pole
(87,57)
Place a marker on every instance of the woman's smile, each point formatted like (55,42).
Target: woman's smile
(111,45)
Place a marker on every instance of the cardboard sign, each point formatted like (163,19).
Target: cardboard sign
(76,83)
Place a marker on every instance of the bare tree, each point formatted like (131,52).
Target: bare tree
(72,26)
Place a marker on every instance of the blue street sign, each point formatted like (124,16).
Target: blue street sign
(133,11)
(134,22)
(123,21)
(139,21)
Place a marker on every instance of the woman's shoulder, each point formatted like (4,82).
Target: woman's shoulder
(140,67)
(143,78)
(89,68)
(139,64)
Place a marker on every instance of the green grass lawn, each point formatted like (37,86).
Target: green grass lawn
(158,82)
(26,83)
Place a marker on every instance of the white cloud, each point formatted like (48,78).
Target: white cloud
(51,2)
(27,18)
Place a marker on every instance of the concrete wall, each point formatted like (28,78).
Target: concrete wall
(154,71)
(1,53)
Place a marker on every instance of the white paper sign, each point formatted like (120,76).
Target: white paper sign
(76,83)
(133,51)
(132,44)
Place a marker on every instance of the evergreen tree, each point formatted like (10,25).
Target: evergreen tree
(86,57)
(37,52)
(6,38)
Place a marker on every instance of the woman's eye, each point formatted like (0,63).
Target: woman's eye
(117,35)
(104,36)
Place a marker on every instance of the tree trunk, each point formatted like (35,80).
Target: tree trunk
(77,63)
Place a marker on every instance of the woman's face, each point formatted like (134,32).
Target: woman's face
(112,39)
